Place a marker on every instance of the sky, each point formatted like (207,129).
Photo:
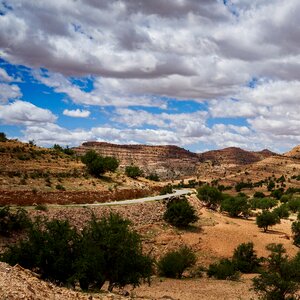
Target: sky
(199,74)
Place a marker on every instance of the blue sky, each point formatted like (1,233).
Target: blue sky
(198,74)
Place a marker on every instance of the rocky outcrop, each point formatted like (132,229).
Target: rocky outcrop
(294,153)
(234,156)
(167,161)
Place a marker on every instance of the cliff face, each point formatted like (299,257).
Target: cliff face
(167,161)
(234,156)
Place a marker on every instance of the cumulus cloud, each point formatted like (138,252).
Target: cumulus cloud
(77,113)
(203,51)
(25,113)
(9,92)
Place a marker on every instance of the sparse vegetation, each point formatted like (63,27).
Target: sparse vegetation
(167,189)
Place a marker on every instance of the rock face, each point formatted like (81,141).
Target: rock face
(234,156)
(167,161)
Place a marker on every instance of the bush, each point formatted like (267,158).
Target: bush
(266,219)
(174,263)
(296,233)
(153,177)
(280,279)
(245,258)
(285,198)
(294,205)
(236,206)
(224,269)
(11,222)
(133,171)
(263,203)
(210,195)
(97,165)
(180,213)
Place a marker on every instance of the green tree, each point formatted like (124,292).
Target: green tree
(174,263)
(266,219)
(113,253)
(296,232)
(97,164)
(281,277)
(236,206)
(210,195)
(282,211)
(133,171)
(294,204)
(180,213)
(245,258)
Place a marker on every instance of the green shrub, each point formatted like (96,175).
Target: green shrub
(263,203)
(236,206)
(153,177)
(296,233)
(224,269)
(211,196)
(133,171)
(245,258)
(281,277)
(266,219)
(285,198)
(243,185)
(180,213)
(294,205)
(174,263)
(277,194)
(13,221)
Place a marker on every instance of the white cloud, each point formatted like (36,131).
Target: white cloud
(9,92)
(77,113)
(25,113)
(4,76)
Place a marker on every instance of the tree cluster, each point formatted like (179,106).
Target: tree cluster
(106,250)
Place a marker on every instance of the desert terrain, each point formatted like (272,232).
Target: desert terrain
(31,175)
